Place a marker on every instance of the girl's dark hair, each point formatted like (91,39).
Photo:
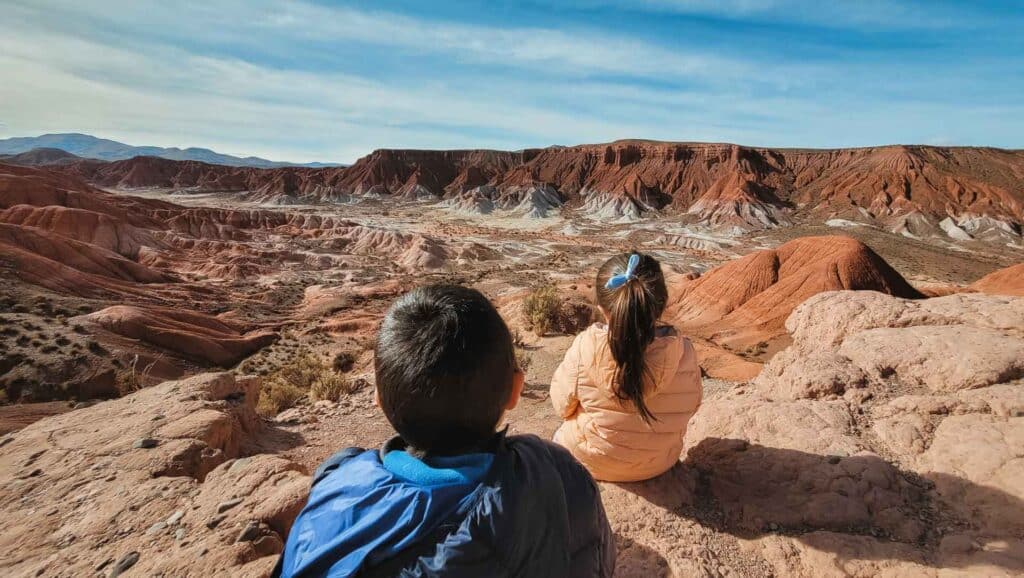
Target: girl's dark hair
(633,310)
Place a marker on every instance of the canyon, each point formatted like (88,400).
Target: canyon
(858,314)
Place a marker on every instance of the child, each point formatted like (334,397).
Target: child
(627,388)
(449,496)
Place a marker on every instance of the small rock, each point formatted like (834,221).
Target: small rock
(175,518)
(833,460)
(157,528)
(239,464)
(249,532)
(104,564)
(145,443)
(268,545)
(179,534)
(126,562)
(227,505)
(215,521)
(157,417)
(6,440)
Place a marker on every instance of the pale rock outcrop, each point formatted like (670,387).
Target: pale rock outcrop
(887,440)
(167,481)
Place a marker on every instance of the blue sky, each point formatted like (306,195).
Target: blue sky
(306,80)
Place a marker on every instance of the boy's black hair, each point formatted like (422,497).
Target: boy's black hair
(444,365)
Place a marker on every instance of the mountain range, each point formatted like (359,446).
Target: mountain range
(91,147)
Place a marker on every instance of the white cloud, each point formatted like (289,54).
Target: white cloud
(884,14)
(230,76)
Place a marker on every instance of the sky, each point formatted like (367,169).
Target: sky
(312,80)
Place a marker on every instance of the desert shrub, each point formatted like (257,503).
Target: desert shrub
(541,309)
(95,348)
(131,378)
(304,375)
(332,388)
(523,360)
(344,361)
(126,381)
(277,396)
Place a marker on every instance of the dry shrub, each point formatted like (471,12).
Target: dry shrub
(523,360)
(344,361)
(306,375)
(332,389)
(541,309)
(277,396)
(131,379)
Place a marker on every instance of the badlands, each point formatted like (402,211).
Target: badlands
(182,343)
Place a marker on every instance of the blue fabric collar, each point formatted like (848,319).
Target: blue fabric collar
(438,470)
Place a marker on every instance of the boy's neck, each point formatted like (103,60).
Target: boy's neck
(399,444)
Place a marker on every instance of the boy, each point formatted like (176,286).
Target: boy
(448,496)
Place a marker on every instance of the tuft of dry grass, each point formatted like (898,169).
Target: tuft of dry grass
(541,309)
(130,379)
(306,375)
(523,360)
(277,396)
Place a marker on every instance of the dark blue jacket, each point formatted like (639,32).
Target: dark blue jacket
(536,513)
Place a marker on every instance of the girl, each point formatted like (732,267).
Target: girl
(627,387)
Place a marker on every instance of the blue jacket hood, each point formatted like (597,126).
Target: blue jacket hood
(536,513)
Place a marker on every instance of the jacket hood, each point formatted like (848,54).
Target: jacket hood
(536,513)
(370,514)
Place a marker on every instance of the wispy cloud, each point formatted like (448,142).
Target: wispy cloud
(293,80)
(884,14)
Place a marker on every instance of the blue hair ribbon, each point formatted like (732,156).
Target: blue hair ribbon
(616,281)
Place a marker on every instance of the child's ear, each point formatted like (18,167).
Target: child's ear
(518,381)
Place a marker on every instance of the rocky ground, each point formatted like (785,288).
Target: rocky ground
(863,391)
(885,440)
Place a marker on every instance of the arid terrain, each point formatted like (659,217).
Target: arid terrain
(182,343)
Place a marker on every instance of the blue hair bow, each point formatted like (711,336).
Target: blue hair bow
(616,281)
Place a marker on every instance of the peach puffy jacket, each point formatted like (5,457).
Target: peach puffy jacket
(607,435)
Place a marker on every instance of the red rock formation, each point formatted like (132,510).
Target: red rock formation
(188,334)
(1007,281)
(746,301)
(720,184)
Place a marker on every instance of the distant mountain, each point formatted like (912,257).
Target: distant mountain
(91,147)
(40,157)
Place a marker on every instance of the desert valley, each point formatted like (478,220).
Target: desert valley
(181,343)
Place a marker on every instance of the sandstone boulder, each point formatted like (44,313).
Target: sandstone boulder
(169,479)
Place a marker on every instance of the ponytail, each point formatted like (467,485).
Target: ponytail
(631,289)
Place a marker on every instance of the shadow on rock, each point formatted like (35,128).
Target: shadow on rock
(275,440)
(749,491)
(636,559)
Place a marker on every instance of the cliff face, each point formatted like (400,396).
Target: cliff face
(719,184)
